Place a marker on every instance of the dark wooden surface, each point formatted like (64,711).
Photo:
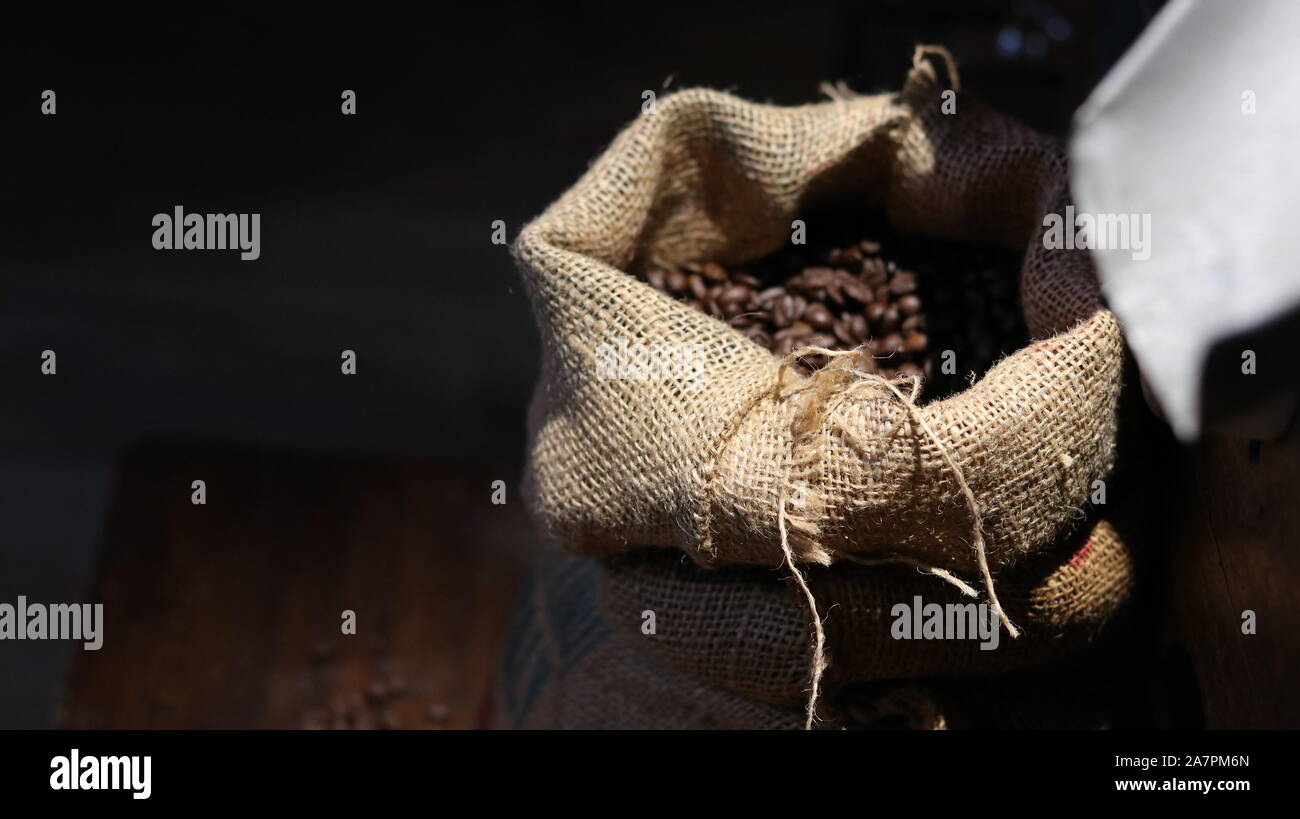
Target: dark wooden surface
(1235,545)
(228,615)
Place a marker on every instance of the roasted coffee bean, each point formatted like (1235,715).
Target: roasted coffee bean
(797,330)
(714,272)
(873,273)
(699,287)
(876,312)
(890,321)
(656,278)
(858,291)
(861,330)
(915,342)
(759,337)
(902,283)
(911,323)
(749,281)
(910,304)
(676,282)
(735,294)
(844,329)
(818,317)
(797,306)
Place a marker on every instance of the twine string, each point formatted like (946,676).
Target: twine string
(833,385)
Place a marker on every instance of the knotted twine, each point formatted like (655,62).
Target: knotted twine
(830,386)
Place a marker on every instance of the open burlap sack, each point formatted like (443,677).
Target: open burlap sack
(725,463)
(747,630)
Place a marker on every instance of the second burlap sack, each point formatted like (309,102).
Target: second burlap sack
(746,630)
(727,461)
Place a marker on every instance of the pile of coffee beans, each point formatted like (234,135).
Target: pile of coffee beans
(908,300)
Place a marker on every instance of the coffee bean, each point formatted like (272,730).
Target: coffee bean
(876,312)
(699,287)
(818,317)
(910,304)
(915,342)
(714,272)
(735,294)
(759,336)
(844,329)
(902,282)
(860,329)
(910,369)
(858,291)
(676,282)
(890,321)
(656,278)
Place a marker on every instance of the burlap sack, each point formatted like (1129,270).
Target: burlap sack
(564,669)
(561,669)
(720,463)
(746,630)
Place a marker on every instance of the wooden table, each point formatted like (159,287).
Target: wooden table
(229,614)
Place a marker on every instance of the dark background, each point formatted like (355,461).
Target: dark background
(375,228)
